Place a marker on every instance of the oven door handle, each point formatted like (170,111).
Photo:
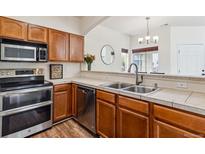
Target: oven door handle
(22,109)
(17,92)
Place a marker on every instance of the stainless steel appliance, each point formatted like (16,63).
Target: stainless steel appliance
(86,107)
(23,51)
(25,103)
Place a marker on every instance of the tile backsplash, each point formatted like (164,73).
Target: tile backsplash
(69,69)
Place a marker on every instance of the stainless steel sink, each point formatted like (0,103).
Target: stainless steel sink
(118,85)
(140,89)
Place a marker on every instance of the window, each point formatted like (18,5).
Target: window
(140,60)
(155,62)
(124,60)
(146,61)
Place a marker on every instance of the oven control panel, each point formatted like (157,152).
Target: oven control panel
(20,72)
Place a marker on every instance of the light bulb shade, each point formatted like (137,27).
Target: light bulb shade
(147,38)
(140,40)
(155,39)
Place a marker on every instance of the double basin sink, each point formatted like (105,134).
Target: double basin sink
(131,88)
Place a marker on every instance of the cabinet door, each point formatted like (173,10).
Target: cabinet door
(163,130)
(74,104)
(105,119)
(60,105)
(13,29)
(58,45)
(131,124)
(37,33)
(69,107)
(76,48)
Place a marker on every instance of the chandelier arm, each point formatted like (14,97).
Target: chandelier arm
(147,26)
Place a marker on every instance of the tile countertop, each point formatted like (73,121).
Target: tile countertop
(185,100)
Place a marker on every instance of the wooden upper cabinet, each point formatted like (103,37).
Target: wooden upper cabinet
(131,124)
(163,130)
(10,28)
(58,45)
(76,48)
(37,33)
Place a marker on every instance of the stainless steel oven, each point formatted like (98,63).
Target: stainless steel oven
(25,112)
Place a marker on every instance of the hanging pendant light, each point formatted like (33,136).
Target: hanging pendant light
(147,39)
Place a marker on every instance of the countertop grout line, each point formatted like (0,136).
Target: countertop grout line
(188,97)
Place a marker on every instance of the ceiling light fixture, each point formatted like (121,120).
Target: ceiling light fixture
(148,39)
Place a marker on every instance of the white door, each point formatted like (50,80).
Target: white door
(191,59)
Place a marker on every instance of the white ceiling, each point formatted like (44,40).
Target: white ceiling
(133,25)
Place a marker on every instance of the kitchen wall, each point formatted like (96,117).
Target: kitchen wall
(97,38)
(170,37)
(68,24)
(102,35)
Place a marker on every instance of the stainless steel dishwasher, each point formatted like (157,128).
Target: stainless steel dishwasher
(86,107)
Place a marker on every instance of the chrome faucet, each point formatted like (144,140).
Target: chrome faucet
(129,70)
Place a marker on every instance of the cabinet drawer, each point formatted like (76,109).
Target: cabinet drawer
(133,104)
(163,130)
(61,87)
(180,118)
(106,96)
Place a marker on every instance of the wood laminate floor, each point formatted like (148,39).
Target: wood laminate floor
(67,129)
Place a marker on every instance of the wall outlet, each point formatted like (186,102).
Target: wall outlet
(181,85)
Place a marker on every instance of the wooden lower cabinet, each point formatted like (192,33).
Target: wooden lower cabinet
(62,102)
(131,124)
(74,99)
(164,130)
(60,105)
(180,119)
(106,115)
(124,117)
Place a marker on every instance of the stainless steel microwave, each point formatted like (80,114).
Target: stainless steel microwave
(11,51)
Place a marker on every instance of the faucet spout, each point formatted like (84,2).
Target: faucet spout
(136,73)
